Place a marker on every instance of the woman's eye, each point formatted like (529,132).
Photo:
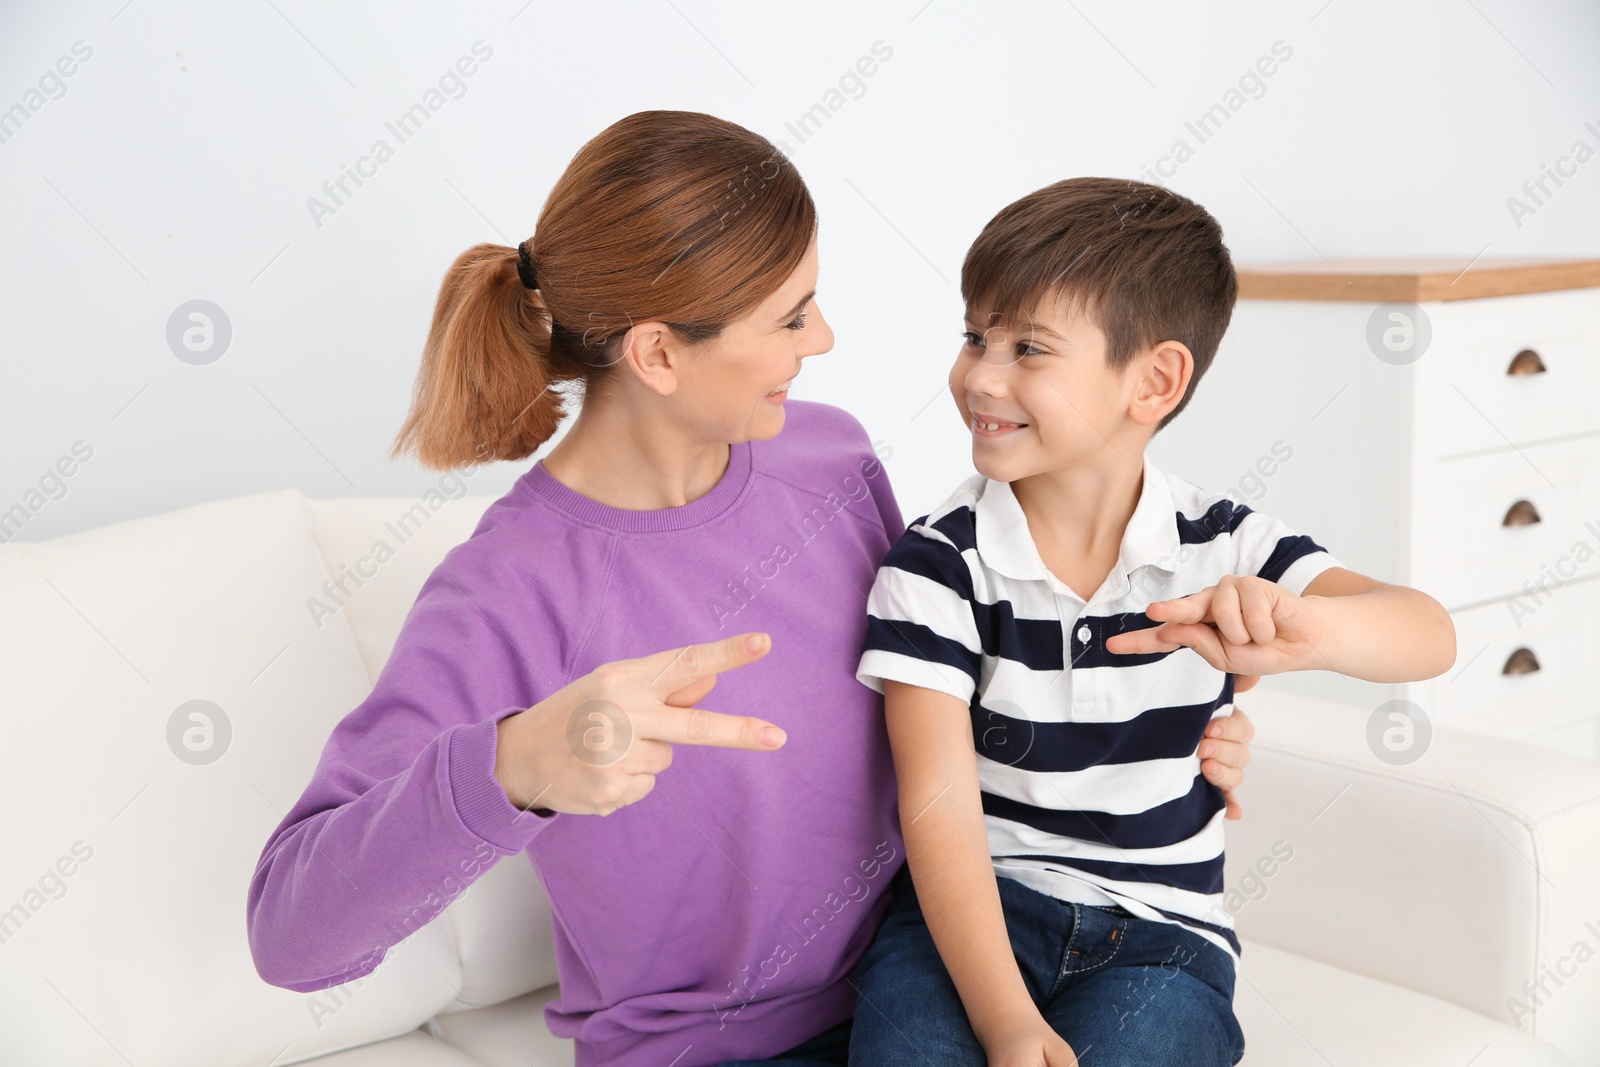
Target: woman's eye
(799,322)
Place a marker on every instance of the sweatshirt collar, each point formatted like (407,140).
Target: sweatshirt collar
(722,496)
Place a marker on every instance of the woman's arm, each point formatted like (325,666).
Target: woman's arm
(402,812)
(431,779)
(941,817)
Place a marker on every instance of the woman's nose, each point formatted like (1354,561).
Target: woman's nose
(819,338)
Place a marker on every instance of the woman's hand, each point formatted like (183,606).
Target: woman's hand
(1225,749)
(598,743)
(1027,1040)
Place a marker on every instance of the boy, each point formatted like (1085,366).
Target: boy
(1052,642)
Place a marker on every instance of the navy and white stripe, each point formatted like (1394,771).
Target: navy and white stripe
(1091,788)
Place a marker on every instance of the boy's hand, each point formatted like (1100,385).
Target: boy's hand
(1243,625)
(1028,1041)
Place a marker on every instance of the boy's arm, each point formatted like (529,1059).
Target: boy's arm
(924,650)
(1359,626)
(1287,604)
(1248,624)
(941,815)
(1380,632)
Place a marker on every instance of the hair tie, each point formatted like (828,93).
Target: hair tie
(525,267)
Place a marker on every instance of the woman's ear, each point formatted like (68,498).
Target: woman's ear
(1166,368)
(654,355)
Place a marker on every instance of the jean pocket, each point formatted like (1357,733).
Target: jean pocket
(1097,939)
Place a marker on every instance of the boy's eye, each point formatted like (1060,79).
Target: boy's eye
(1023,348)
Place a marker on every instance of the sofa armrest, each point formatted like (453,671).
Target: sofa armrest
(1470,874)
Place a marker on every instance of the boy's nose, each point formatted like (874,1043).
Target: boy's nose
(987,378)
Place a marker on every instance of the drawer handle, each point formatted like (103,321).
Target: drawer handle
(1522,513)
(1526,362)
(1522,661)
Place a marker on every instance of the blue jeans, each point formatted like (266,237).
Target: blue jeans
(831,1048)
(1122,991)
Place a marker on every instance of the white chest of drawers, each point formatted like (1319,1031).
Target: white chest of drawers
(1436,429)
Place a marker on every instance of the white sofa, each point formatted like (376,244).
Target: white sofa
(1413,905)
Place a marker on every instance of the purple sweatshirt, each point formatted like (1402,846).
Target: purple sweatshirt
(719,917)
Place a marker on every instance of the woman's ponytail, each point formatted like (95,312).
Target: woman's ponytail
(486,387)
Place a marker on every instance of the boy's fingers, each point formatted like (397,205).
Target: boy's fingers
(1228,614)
(1137,642)
(1173,635)
(673,669)
(1256,606)
(1060,1056)
(698,726)
(1168,637)
(1191,608)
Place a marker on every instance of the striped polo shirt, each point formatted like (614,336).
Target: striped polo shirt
(1091,787)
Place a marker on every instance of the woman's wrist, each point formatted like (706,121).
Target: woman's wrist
(506,759)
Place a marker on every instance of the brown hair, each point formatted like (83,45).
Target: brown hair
(1148,264)
(670,215)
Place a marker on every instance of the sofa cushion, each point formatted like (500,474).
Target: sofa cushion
(512,1034)
(415,1049)
(1465,874)
(134,832)
(501,930)
(1296,1012)
(379,551)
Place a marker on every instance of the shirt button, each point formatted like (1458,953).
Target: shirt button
(1084,634)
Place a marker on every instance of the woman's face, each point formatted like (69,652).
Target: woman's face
(732,388)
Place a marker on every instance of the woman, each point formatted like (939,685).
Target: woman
(713,912)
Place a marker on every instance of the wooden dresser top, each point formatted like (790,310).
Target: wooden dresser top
(1412,279)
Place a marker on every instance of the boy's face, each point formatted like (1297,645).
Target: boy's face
(1046,381)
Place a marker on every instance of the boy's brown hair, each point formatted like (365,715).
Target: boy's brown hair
(1144,262)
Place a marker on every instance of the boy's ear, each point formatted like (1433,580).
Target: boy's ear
(1165,370)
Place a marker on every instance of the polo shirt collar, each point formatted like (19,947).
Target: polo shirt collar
(1151,537)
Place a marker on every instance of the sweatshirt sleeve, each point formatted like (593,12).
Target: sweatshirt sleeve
(877,476)
(403,811)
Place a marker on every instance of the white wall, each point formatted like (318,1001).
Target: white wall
(176,162)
